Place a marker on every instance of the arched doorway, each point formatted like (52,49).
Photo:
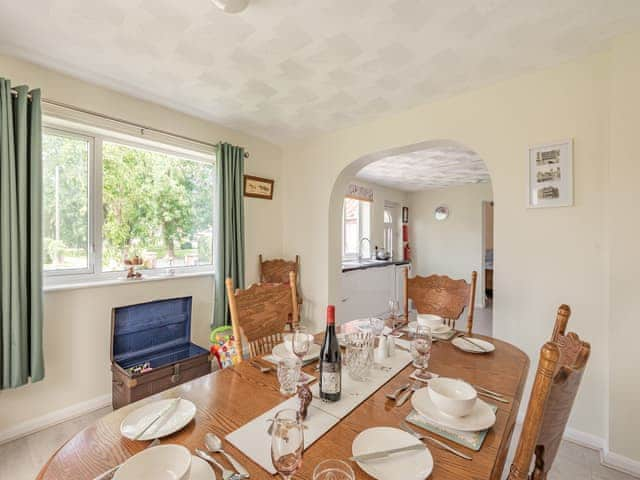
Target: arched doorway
(420,178)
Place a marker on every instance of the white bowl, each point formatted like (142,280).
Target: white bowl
(452,397)
(429,320)
(164,462)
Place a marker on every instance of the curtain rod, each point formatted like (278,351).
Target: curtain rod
(124,122)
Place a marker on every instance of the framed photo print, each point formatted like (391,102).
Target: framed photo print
(258,187)
(551,175)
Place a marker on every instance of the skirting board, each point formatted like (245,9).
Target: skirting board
(53,418)
(607,458)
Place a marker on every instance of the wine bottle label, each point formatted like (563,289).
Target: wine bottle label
(331,381)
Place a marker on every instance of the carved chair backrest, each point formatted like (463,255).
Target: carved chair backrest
(277,270)
(259,313)
(560,369)
(441,295)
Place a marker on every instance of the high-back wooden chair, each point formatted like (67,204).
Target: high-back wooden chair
(277,270)
(562,363)
(260,313)
(441,295)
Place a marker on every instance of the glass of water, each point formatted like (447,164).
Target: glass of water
(333,470)
(421,347)
(288,375)
(359,356)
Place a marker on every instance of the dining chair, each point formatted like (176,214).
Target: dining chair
(259,314)
(277,270)
(441,295)
(560,368)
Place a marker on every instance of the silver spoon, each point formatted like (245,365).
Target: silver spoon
(214,445)
(226,474)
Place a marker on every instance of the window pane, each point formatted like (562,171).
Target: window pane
(351,227)
(65,184)
(157,206)
(365,228)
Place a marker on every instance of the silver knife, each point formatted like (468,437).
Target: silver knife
(166,410)
(480,347)
(386,453)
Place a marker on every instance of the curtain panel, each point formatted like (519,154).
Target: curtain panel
(230,227)
(21,357)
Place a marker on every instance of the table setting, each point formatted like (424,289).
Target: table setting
(421,417)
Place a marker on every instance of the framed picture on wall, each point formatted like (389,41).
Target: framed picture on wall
(551,175)
(258,187)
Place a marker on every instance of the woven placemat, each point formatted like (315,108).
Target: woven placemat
(472,440)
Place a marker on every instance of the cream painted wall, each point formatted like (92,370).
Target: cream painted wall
(451,247)
(543,257)
(624,199)
(77,321)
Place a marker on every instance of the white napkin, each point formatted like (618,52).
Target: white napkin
(254,440)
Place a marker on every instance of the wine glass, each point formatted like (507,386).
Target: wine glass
(377,326)
(301,342)
(333,470)
(287,442)
(394,312)
(421,347)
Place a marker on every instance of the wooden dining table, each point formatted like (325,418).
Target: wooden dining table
(229,398)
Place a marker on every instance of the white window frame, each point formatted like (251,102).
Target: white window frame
(97,135)
(389,230)
(361,229)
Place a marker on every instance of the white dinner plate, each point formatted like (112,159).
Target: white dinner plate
(201,470)
(467,347)
(413,465)
(480,418)
(442,329)
(175,419)
(280,351)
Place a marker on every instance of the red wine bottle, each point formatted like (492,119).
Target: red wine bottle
(330,361)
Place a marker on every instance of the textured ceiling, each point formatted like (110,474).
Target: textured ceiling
(285,69)
(446,166)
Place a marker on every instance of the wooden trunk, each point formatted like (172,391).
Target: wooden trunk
(156,333)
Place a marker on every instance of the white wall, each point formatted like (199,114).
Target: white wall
(543,257)
(77,322)
(451,247)
(624,228)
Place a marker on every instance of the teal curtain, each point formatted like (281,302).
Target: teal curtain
(230,227)
(21,356)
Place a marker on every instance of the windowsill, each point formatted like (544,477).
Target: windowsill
(107,282)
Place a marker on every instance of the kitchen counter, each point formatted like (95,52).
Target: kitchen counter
(364,264)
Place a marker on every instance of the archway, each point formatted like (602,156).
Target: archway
(478,253)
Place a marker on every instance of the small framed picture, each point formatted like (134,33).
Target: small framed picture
(258,187)
(551,175)
(405,214)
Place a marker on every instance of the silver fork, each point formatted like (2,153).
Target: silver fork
(394,395)
(226,474)
(406,394)
(419,436)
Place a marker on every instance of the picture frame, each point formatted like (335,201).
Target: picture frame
(550,175)
(258,187)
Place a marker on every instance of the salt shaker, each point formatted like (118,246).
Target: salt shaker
(391,346)
(381,350)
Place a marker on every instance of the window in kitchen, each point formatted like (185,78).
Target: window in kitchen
(356,227)
(108,198)
(389,231)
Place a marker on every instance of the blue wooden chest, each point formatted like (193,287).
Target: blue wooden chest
(151,349)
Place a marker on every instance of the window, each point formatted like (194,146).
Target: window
(389,231)
(66,204)
(355,227)
(110,198)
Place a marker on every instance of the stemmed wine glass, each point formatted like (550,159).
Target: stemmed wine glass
(421,347)
(394,313)
(301,342)
(287,442)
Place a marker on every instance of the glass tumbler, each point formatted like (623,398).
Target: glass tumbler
(359,356)
(288,375)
